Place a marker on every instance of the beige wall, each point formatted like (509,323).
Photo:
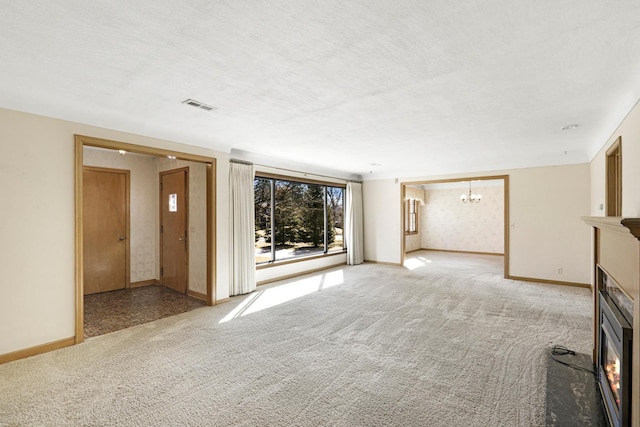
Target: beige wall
(449,224)
(37,225)
(546,232)
(383,229)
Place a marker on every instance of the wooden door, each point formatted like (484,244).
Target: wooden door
(105,229)
(173,228)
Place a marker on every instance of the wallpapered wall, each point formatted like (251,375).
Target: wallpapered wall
(448,224)
(144,214)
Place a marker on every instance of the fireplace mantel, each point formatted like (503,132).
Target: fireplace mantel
(615,223)
(617,251)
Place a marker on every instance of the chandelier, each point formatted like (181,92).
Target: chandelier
(470,197)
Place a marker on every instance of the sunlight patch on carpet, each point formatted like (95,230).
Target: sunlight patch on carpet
(274,296)
(413,263)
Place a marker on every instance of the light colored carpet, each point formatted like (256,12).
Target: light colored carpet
(447,343)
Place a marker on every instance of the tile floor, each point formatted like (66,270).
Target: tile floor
(111,311)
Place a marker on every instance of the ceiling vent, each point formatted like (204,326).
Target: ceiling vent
(199,104)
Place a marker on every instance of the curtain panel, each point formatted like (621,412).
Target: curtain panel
(354,224)
(243,271)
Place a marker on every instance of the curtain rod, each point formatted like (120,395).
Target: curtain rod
(242,162)
(294,171)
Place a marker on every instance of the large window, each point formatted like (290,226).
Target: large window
(297,219)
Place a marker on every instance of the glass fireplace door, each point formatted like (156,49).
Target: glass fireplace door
(611,367)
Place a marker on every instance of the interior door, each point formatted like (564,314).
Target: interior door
(105,209)
(173,228)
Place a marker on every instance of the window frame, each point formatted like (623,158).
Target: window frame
(326,251)
(411,217)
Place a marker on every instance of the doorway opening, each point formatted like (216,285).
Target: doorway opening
(447,215)
(144,284)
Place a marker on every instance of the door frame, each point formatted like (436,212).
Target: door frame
(505,179)
(127,207)
(161,233)
(80,142)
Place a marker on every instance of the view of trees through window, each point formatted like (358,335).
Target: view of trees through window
(295,219)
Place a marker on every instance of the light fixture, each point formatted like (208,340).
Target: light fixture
(122,152)
(470,197)
(171,157)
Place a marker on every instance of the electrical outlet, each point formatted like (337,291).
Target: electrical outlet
(559,271)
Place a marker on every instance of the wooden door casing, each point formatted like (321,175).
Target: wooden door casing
(105,208)
(174,216)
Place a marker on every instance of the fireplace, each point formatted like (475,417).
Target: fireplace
(614,354)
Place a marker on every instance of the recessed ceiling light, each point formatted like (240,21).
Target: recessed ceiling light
(198,104)
(569,127)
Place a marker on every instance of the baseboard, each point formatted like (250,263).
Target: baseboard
(143,283)
(393,264)
(39,349)
(461,252)
(550,282)
(197,295)
(222,301)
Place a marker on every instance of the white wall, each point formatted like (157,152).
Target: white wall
(545,208)
(37,225)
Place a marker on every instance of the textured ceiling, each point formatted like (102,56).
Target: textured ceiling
(419,87)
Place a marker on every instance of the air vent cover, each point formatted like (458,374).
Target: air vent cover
(198,104)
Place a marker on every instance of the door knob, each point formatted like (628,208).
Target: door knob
(122,238)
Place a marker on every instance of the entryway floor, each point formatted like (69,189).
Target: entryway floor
(111,311)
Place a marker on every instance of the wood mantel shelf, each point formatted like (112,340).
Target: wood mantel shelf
(615,223)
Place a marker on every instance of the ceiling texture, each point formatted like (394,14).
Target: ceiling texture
(368,87)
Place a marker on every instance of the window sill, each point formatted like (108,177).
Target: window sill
(298,259)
